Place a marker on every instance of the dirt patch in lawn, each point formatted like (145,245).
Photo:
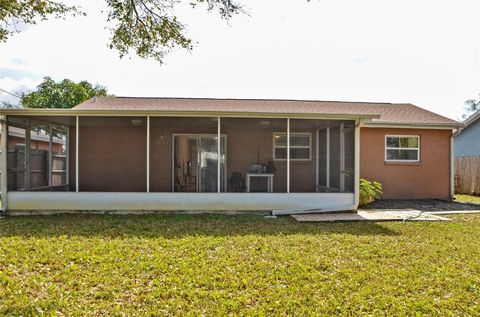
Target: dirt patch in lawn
(421,204)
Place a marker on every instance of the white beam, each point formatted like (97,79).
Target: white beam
(219,144)
(288,155)
(28,174)
(148,154)
(358,126)
(327,166)
(77,138)
(67,158)
(317,143)
(50,155)
(342,157)
(3,161)
(452,168)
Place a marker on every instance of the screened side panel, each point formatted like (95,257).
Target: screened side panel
(39,157)
(112,154)
(335,158)
(16,158)
(349,168)
(59,155)
(256,154)
(322,158)
(303,155)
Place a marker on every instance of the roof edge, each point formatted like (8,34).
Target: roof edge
(474,117)
(91,100)
(378,124)
(161,113)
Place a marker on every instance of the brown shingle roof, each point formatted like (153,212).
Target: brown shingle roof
(403,114)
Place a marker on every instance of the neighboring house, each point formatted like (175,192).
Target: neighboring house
(467,142)
(466,146)
(284,155)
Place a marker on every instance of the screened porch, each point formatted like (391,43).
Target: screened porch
(243,162)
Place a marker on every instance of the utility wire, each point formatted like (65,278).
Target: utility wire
(10,93)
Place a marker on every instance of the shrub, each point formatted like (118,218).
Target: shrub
(369,191)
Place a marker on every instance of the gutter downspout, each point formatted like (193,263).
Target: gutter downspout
(452,162)
(358,125)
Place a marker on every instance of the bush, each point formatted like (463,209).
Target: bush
(369,191)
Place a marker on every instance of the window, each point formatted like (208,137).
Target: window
(300,146)
(402,148)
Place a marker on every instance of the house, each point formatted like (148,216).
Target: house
(466,143)
(126,153)
(466,146)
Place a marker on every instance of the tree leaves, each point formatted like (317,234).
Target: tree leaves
(16,13)
(471,106)
(64,94)
(148,28)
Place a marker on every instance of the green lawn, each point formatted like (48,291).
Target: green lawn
(468,199)
(237,265)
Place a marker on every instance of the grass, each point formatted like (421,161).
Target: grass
(468,199)
(237,265)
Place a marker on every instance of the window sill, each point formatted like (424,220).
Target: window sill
(402,163)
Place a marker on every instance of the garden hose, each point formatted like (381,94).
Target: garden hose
(414,216)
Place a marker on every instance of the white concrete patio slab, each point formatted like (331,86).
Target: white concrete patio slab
(371,215)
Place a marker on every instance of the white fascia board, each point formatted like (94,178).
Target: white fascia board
(410,126)
(156,113)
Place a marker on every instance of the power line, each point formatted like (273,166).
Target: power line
(10,93)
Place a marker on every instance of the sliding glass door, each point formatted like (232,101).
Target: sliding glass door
(196,163)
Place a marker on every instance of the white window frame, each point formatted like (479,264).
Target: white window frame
(309,147)
(402,148)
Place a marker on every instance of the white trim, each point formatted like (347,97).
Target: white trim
(342,157)
(356,171)
(407,126)
(173,167)
(28,135)
(309,146)
(219,152)
(452,168)
(77,138)
(148,154)
(288,155)
(327,166)
(3,162)
(67,158)
(402,148)
(317,181)
(199,114)
(50,156)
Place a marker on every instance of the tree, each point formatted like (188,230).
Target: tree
(471,106)
(64,94)
(15,13)
(149,28)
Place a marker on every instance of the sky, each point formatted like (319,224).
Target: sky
(422,52)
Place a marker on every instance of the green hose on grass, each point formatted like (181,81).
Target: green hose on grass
(414,216)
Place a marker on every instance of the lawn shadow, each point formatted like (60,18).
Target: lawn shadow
(177,226)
